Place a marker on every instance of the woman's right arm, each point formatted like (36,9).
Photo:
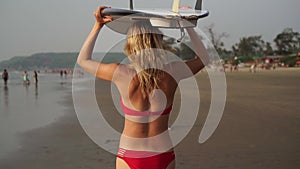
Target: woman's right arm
(99,69)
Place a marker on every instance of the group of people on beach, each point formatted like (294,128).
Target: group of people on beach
(26,80)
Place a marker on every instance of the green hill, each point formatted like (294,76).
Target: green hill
(50,61)
(41,61)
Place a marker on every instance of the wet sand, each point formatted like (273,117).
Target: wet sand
(259,129)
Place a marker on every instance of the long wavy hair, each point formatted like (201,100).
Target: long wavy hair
(146,51)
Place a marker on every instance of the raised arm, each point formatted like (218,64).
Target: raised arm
(193,66)
(98,69)
(202,57)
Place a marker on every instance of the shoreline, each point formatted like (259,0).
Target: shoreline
(247,69)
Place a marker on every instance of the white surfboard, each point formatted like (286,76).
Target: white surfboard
(164,18)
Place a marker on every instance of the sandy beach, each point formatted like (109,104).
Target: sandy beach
(259,129)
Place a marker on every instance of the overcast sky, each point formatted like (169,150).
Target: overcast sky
(32,26)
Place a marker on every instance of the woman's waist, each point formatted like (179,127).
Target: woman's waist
(158,143)
(143,131)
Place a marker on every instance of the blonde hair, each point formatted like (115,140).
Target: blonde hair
(145,49)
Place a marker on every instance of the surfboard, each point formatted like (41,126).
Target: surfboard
(162,18)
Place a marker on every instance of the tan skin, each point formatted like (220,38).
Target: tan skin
(125,79)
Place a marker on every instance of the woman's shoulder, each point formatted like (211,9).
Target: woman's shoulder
(125,69)
(123,72)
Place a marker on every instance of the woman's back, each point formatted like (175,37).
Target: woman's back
(133,100)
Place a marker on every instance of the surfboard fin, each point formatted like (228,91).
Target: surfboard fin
(175,6)
(131,4)
(198,5)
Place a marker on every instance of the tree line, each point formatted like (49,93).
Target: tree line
(286,43)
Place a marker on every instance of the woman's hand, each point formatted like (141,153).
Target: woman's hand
(101,20)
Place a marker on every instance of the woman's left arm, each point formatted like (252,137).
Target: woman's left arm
(98,69)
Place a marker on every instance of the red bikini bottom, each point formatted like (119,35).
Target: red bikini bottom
(145,159)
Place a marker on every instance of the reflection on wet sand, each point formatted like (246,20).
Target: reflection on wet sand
(6,98)
(24,107)
(36,91)
(26,86)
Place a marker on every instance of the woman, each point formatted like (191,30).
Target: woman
(147,90)
(26,80)
(5,76)
(35,76)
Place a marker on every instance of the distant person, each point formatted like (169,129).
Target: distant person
(25,78)
(253,68)
(5,76)
(66,73)
(61,73)
(274,66)
(35,77)
(236,68)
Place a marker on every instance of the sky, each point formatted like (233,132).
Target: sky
(34,26)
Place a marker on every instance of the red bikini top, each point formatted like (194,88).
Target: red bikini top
(132,112)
